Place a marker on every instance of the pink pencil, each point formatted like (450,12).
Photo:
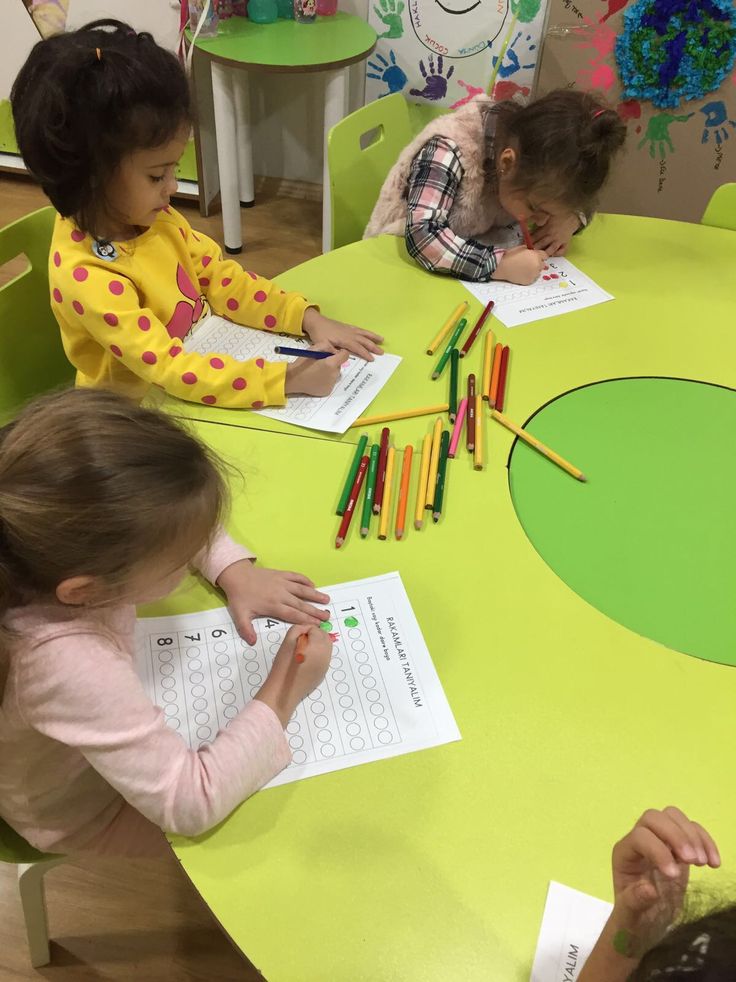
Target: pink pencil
(461,410)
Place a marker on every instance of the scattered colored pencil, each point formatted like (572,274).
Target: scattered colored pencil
(439,492)
(494,375)
(362,443)
(478,450)
(386,505)
(434,460)
(538,445)
(370,487)
(470,415)
(454,362)
(458,431)
(450,346)
(281,349)
(476,330)
(447,327)
(502,375)
(422,489)
(381,475)
(527,237)
(350,507)
(403,491)
(400,414)
(487,365)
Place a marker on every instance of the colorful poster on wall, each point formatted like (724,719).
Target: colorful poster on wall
(443,52)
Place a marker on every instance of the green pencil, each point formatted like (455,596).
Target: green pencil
(370,487)
(343,503)
(439,488)
(454,362)
(450,345)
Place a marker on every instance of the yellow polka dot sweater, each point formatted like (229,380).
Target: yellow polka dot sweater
(125,308)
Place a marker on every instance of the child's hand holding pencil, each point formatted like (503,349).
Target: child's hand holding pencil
(298,668)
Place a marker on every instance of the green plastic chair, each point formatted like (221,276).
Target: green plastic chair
(32,358)
(32,865)
(721,210)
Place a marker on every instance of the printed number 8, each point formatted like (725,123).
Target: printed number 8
(165,642)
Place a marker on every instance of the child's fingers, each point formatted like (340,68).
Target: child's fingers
(642,842)
(691,830)
(302,592)
(674,834)
(378,338)
(711,849)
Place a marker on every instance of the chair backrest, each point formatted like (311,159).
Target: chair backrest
(361,150)
(15,849)
(32,358)
(721,210)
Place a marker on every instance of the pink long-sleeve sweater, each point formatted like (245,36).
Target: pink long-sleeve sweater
(79,737)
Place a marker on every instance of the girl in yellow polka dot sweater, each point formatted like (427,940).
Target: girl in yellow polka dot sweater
(102,116)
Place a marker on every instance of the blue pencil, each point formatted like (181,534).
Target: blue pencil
(301,352)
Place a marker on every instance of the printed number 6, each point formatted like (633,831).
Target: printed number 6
(218,632)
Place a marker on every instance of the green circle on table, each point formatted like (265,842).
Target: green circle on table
(650,539)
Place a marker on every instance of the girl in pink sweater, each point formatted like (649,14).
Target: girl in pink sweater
(105,505)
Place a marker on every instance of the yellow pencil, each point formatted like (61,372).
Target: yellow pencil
(434,462)
(447,327)
(538,445)
(401,414)
(386,506)
(487,364)
(478,448)
(403,491)
(422,489)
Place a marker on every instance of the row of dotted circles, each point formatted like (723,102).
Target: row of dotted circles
(377,710)
(225,685)
(167,680)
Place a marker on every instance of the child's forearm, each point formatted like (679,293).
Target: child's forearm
(610,961)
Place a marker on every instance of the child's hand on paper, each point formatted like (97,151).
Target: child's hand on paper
(288,681)
(554,235)
(253,591)
(307,377)
(332,335)
(520,265)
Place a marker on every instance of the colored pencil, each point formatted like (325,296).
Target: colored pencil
(439,492)
(478,450)
(386,506)
(494,375)
(281,349)
(470,415)
(502,375)
(447,327)
(454,362)
(422,489)
(476,330)
(400,414)
(370,487)
(527,237)
(538,445)
(351,474)
(403,491)
(381,475)
(448,350)
(458,431)
(434,460)
(350,507)
(487,365)
(299,658)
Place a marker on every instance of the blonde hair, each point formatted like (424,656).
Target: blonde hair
(91,484)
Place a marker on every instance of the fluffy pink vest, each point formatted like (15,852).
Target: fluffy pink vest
(476,208)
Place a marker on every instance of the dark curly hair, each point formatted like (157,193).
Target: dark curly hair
(78,113)
(701,950)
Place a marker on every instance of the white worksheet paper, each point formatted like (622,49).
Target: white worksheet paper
(571,925)
(359,384)
(561,287)
(381,696)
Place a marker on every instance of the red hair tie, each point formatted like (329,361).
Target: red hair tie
(597,113)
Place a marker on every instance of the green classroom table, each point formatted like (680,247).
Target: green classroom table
(434,865)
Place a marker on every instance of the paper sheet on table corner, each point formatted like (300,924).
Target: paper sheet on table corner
(571,925)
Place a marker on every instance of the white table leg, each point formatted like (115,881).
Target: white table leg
(244,138)
(336,90)
(223,100)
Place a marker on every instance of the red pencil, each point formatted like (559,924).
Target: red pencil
(352,501)
(470,416)
(527,236)
(381,475)
(476,330)
(502,379)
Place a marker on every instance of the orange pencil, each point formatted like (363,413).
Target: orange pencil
(527,237)
(485,388)
(494,375)
(403,491)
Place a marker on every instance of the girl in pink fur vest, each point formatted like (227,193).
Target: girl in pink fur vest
(471,172)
